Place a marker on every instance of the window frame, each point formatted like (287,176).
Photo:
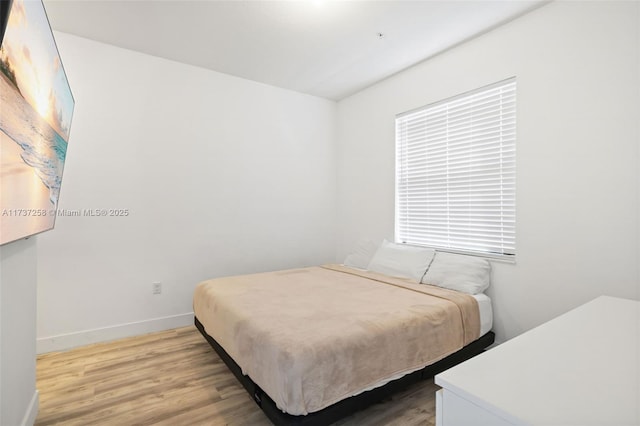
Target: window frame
(508,252)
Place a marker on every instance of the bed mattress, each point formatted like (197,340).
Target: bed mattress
(313,336)
(485,311)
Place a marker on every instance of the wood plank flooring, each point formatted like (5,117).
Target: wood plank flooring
(175,378)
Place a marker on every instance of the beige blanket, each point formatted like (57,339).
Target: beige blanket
(311,337)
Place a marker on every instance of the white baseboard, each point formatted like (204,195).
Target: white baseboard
(63,342)
(32,411)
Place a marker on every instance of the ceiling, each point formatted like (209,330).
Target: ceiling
(330,49)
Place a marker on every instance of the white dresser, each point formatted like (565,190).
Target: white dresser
(580,369)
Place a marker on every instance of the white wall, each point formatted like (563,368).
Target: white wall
(18,282)
(577,69)
(221,176)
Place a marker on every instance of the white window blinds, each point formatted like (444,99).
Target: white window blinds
(456,172)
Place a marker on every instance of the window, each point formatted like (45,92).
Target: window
(456,172)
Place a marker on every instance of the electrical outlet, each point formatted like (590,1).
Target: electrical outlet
(156,288)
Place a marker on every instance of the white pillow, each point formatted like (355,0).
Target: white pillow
(468,274)
(361,255)
(400,260)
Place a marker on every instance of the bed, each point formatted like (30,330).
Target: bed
(312,345)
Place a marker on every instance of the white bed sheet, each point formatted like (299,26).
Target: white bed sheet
(486,312)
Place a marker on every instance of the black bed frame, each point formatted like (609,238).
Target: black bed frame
(350,405)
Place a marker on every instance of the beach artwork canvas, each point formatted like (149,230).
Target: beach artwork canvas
(36,106)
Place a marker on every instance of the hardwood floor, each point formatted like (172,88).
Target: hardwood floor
(175,378)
